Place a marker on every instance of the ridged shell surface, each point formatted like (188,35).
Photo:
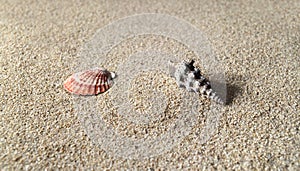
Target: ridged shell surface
(190,78)
(90,82)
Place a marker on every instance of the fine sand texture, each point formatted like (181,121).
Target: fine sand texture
(43,126)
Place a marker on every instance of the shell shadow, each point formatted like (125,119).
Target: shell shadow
(235,87)
(233,91)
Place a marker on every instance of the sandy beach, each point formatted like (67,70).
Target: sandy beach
(42,43)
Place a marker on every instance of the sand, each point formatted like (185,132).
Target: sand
(258,43)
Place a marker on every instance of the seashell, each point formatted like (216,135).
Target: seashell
(90,82)
(190,78)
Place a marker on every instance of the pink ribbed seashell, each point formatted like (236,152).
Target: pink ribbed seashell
(90,82)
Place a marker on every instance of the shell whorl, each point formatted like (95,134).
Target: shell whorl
(190,78)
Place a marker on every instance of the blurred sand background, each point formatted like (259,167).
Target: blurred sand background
(259,43)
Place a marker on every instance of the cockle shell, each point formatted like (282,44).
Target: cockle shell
(190,78)
(90,82)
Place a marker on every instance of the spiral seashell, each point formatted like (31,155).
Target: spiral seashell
(190,78)
(90,82)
